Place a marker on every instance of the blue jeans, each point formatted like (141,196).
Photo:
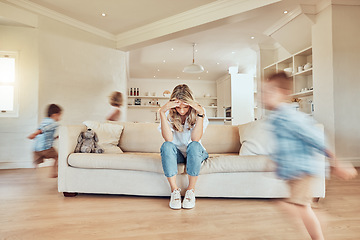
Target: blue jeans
(171,156)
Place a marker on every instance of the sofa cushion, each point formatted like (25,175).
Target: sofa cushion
(148,162)
(141,137)
(108,134)
(221,139)
(151,162)
(255,138)
(228,163)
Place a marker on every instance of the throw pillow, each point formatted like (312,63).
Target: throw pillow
(108,134)
(255,138)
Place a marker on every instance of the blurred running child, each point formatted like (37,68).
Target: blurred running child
(44,138)
(296,142)
(116,101)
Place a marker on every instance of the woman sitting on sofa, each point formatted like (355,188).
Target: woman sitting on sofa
(183,122)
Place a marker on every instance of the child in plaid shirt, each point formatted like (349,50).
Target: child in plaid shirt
(44,137)
(297,141)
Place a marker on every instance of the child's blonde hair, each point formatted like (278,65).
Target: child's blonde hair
(182,92)
(116,99)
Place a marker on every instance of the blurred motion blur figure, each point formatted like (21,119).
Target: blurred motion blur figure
(297,140)
(116,101)
(44,138)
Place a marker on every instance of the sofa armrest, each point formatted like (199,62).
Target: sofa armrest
(67,142)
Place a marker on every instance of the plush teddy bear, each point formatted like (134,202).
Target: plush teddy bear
(86,143)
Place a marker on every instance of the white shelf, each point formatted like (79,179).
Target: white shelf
(303,94)
(305,52)
(151,106)
(152,97)
(162,97)
(210,98)
(306,72)
(220,118)
(270,66)
(143,106)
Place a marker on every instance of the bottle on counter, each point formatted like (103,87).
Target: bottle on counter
(131,92)
(137,92)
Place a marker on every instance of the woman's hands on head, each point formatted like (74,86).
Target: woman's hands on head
(178,103)
(169,105)
(197,107)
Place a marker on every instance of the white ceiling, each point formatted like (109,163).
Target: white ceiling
(122,15)
(226,42)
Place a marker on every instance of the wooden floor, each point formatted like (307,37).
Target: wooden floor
(31,208)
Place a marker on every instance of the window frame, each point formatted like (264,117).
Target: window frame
(15,112)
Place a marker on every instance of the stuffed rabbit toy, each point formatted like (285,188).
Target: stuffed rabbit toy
(86,143)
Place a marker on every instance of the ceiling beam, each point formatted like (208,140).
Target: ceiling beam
(16,15)
(194,19)
(62,18)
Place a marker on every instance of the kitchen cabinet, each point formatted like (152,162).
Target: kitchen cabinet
(236,91)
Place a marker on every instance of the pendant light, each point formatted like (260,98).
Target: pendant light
(193,68)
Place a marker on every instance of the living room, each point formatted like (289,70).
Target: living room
(66,61)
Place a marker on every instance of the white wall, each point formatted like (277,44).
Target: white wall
(78,71)
(295,35)
(346,55)
(158,86)
(223,87)
(282,53)
(242,98)
(265,58)
(58,64)
(15,148)
(336,55)
(323,73)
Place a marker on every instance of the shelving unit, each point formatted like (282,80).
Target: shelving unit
(302,94)
(219,118)
(149,97)
(257,101)
(143,106)
(206,102)
(302,78)
(162,97)
(155,106)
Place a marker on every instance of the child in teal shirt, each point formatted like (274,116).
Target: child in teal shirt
(44,137)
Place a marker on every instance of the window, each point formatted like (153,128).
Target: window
(8,84)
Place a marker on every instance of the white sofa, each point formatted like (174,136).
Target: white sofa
(138,171)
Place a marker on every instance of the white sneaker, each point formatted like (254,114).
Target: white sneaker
(189,199)
(175,199)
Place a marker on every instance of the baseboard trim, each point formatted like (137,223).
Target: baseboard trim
(16,165)
(353,161)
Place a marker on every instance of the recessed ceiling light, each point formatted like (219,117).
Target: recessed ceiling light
(172,49)
(178,77)
(103,14)
(207,71)
(154,76)
(252,37)
(285,12)
(199,77)
(164,60)
(232,52)
(158,70)
(217,63)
